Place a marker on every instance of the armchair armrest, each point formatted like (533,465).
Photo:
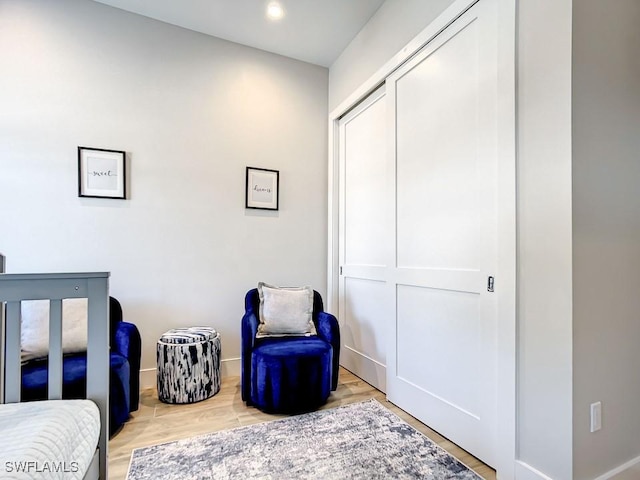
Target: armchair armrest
(129,345)
(249,330)
(329,330)
(127,340)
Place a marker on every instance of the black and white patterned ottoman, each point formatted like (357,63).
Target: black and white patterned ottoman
(188,364)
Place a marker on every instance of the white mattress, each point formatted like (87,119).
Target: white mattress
(51,439)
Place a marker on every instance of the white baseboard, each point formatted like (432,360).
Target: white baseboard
(524,471)
(619,469)
(229,367)
(365,367)
(527,472)
(147,378)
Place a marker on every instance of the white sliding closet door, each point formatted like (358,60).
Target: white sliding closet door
(364,302)
(442,357)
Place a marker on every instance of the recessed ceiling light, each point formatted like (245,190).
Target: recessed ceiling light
(275,11)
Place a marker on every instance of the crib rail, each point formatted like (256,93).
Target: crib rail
(16,288)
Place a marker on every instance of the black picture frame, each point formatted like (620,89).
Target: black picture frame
(102,173)
(262,189)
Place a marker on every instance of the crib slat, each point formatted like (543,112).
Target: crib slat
(13,375)
(55,350)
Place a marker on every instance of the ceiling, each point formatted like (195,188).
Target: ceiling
(314,31)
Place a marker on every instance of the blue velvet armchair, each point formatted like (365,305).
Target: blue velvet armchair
(289,374)
(124,376)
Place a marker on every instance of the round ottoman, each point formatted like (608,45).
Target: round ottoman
(188,364)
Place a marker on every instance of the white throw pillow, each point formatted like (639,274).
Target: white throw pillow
(285,311)
(34,333)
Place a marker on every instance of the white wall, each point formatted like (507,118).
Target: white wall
(192,112)
(544,208)
(394,24)
(544,238)
(606,226)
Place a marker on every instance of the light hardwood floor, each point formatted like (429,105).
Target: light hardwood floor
(156,422)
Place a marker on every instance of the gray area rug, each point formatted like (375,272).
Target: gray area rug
(357,441)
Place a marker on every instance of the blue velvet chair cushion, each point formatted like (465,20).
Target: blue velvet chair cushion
(291,375)
(74,383)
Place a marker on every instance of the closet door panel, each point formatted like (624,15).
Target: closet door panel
(442,355)
(365,184)
(364,301)
(437,164)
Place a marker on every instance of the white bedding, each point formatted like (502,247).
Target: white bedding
(51,439)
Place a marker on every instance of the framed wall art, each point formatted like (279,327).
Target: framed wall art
(262,188)
(101,173)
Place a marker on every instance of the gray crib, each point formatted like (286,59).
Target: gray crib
(16,288)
